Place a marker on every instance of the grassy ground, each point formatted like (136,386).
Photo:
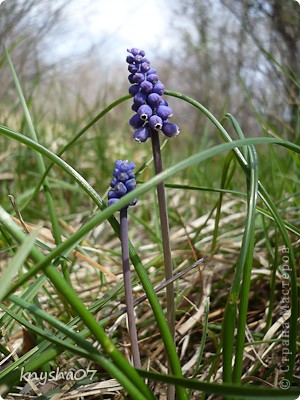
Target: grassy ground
(61,269)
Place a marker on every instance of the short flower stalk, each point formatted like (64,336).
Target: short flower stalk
(123,182)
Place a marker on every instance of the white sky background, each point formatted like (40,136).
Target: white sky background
(113,26)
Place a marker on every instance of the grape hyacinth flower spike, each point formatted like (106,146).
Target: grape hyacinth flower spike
(152,111)
(123,182)
(152,115)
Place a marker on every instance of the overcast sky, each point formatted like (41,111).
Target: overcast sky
(114,25)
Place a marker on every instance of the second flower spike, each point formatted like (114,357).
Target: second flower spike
(123,181)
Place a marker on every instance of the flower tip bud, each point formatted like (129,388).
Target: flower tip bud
(142,134)
(170,129)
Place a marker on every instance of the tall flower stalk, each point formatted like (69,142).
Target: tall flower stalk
(123,182)
(163,214)
(152,115)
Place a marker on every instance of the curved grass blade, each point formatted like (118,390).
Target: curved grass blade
(263,194)
(39,158)
(85,315)
(245,392)
(108,212)
(83,347)
(74,140)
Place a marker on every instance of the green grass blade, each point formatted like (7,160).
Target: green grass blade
(247,249)
(293,281)
(225,179)
(15,263)
(75,139)
(241,392)
(87,318)
(109,211)
(39,157)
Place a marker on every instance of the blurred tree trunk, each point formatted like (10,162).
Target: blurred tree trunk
(282,18)
(224,41)
(286,22)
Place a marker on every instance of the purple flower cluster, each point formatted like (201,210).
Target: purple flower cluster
(123,181)
(152,111)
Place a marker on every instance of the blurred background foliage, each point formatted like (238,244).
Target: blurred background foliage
(221,52)
(232,56)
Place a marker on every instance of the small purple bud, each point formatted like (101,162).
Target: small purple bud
(145,66)
(130,59)
(164,112)
(145,112)
(152,71)
(155,122)
(115,173)
(118,164)
(113,182)
(140,99)
(153,78)
(146,87)
(124,166)
(133,68)
(142,134)
(133,89)
(138,77)
(112,201)
(138,58)
(130,78)
(153,100)
(131,174)
(163,102)
(120,189)
(131,166)
(159,88)
(135,107)
(134,51)
(130,184)
(122,177)
(111,194)
(136,121)
(170,129)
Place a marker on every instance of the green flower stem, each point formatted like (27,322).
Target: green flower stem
(128,290)
(164,223)
(85,315)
